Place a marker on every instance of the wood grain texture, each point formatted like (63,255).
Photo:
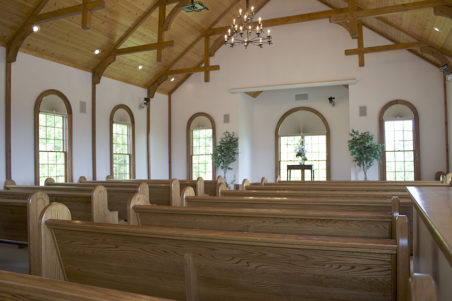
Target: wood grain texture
(296,222)
(19,287)
(197,185)
(137,200)
(403,257)
(229,265)
(422,288)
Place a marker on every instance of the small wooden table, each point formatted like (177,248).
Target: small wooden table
(302,168)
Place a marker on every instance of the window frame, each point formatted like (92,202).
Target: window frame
(416,138)
(68,153)
(327,134)
(131,139)
(189,143)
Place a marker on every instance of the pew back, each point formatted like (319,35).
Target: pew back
(214,265)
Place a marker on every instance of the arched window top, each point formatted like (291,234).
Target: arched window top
(307,126)
(53,137)
(122,143)
(399,133)
(201,139)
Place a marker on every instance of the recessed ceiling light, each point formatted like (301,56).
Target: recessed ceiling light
(172,79)
(35,28)
(140,67)
(97,51)
(437,29)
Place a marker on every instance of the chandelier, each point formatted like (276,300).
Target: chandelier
(243,31)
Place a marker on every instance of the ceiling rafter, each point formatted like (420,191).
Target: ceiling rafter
(443,11)
(111,53)
(219,41)
(172,15)
(158,79)
(15,42)
(420,41)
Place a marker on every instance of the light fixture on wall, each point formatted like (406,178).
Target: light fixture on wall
(243,31)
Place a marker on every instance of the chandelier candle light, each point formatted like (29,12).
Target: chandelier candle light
(245,32)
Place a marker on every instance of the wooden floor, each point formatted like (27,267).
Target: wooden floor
(13,258)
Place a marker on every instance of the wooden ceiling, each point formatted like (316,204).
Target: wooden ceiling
(64,41)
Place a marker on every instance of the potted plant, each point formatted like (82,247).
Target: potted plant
(364,150)
(224,154)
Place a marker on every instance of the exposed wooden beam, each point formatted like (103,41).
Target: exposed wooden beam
(110,56)
(372,49)
(387,10)
(153,88)
(436,54)
(254,94)
(68,11)
(162,15)
(15,42)
(443,11)
(353,22)
(8,121)
(170,139)
(157,80)
(172,15)
(86,16)
(286,20)
(360,44)
(193,70)
(93,129)
(206,59)
(141,48)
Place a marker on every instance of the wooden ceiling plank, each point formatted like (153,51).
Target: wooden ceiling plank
(15,42)
(388,10)
(141,48)
(444,60)
(443,11)
(215,46)
(162,15)
(110,57)
(86,16)
(383,48)
(172,16)
(193,70)
(68,11)
(152,84)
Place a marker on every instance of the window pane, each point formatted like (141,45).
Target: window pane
(202,142)
(121,153)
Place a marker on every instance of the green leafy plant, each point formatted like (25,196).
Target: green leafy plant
(364,150)
(225,153)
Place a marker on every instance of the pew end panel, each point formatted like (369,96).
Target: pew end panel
(175,192)
(264,181)
(37,202)
(49,181)
(422,288)
(51,262)
(143,188)
(403,257)
(137,199)
(8,182)
(82,179)
(186,192)
(245,183)
(220,188)
(200,186)
(99,207)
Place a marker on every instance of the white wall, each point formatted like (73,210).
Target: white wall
(313,52)
(159,137)
(2,114)
(109,94)
(31,76)
(245,134)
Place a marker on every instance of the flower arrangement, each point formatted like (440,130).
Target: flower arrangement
(300,152)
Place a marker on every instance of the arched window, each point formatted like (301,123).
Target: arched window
(201,139)
(399,132)
(53,137)
(122,143)
(302,126)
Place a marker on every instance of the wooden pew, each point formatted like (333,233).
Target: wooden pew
(117,196)
(211,186)
(15,286)
(279,221)
(422,288)
(161,192)
(192,264)
(87,205)
(197,185)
